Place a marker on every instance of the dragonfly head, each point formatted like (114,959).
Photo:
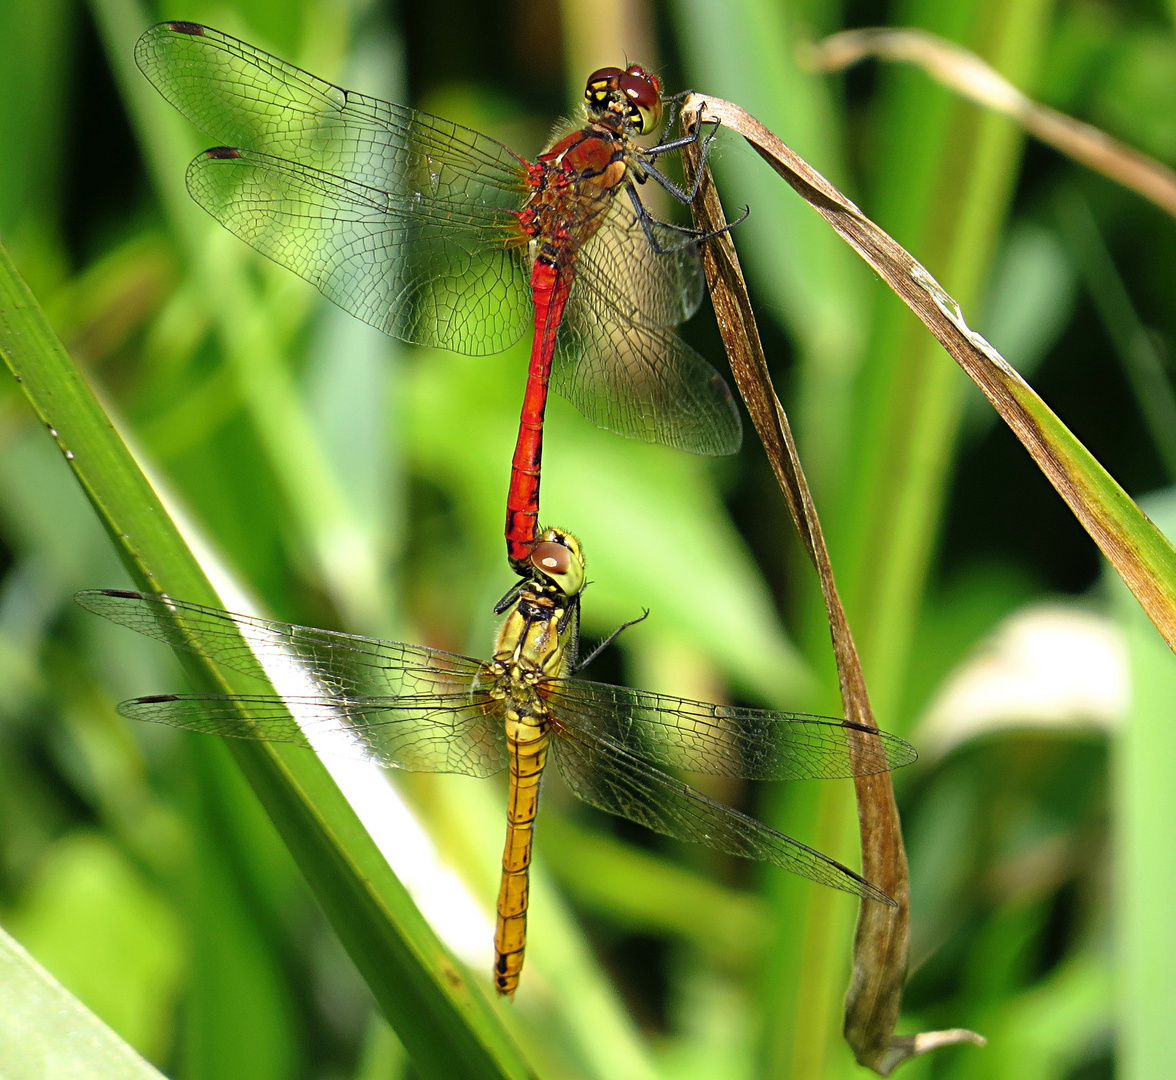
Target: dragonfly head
(557,559)
(633,94)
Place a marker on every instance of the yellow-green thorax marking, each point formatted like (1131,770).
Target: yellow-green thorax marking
(537,641)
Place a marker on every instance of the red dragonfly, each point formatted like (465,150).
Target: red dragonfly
(441,236)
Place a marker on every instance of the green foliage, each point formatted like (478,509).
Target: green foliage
(340,478)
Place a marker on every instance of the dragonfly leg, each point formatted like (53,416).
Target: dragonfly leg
(686,140)
(511,596)
(675,103)
(694,237)
(680,193)
(609,640)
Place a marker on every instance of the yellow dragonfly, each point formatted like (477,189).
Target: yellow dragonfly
(427,710)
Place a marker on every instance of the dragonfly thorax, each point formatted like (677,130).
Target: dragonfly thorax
(538,637)
(533,643)
(572,185)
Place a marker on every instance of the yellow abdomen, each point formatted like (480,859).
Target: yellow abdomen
(527,738)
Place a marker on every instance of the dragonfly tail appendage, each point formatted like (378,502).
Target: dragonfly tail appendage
(550,289)
(528,755)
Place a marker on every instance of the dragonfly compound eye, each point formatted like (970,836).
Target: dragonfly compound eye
(560,563)
(602,84)
(643,92)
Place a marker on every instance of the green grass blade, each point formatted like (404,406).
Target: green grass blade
(949,186)
(46,1031)
(445,1023)
(944,189)
(1140,355)
(1145,822)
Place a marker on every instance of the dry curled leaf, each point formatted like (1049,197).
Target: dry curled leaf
(1139,552)
(882,939)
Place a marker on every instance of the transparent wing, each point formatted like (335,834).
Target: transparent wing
(418,202)
(608,777)
(618,358)
(653,288)
(418,277)
(336,665)
(723,740)
(242,96)
(402,706)
(427,733)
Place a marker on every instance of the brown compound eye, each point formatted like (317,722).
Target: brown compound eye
(553,559)
(643,91)
(560,562)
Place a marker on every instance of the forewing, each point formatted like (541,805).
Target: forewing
(427,733)
(724,740)
(611,779)
(618,358)
(327,662)
(241,96)
(439,191)
(411,272)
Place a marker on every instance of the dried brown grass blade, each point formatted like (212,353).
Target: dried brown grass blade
(881,942)
(967,74)
(1139,552)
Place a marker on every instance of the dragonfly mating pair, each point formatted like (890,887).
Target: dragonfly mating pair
(427,710)
(444,237)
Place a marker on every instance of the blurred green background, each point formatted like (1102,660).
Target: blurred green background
(343,479)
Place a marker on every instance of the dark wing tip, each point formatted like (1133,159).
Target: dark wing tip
(154,51)
(153,699)
(85,597)
(222,153)
(899,752)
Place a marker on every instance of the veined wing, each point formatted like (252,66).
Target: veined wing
(650,287)
(723,740)
(618,358)
(401,706)
(608,777)
(400,186)
(401,267)
(454,733)
(326,662)
(241,96)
